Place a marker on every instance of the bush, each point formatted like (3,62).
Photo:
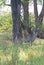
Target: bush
(31,20)
(5,22)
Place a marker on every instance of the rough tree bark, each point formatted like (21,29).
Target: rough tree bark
(15,6)
(39,18)
(36,12)
(17,24)
(26,12)
(26,16)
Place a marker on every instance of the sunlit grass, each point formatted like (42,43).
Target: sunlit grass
(21,54)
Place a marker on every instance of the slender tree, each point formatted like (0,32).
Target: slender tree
(35,10)
(38,18)
(41,14)
(26,12)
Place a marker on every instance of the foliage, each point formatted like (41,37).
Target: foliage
(2,2)
(39,1)
(5,22)
(31,20)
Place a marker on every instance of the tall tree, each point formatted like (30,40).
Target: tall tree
(38,18)
(26,12)
(41,14)
(15,6)
(35,10)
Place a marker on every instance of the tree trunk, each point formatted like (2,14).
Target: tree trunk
(26,16)
(15,6)
(36,13)
(39,19)
(41,14)
(26,12)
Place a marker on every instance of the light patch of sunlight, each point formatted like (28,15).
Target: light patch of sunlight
(37,53)
(39,41)
(4,58)
(30,54)
(9,57)
(37,50)
(25,56)
(22,55)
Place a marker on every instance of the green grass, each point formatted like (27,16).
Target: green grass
(20,54)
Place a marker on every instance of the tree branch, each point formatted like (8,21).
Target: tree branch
(2,3)
(7,4)
(42,13)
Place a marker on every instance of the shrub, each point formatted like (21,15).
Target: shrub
(5,22)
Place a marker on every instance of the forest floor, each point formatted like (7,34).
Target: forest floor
(20,54)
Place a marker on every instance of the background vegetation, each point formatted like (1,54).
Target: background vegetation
(5,22)
(18,54)
(21,53)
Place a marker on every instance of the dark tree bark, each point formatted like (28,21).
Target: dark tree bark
(17,24)
(26,12)
(39,19)
(36,12)
(15,6)
(26,16)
